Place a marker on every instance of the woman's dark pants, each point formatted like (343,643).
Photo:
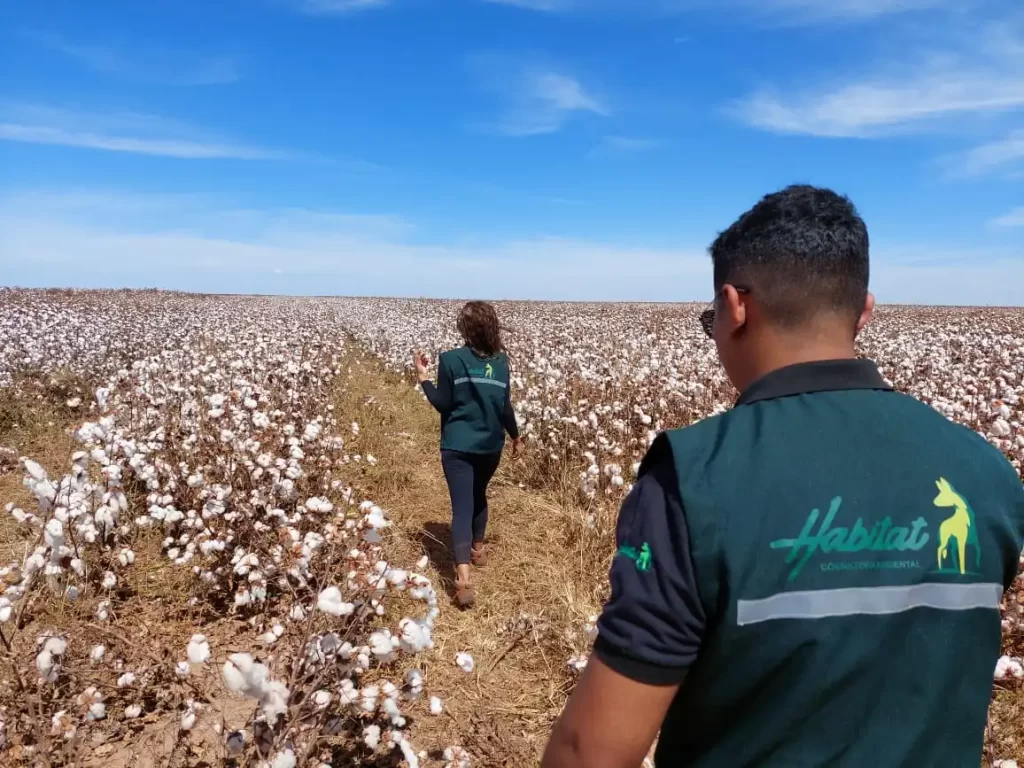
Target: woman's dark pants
(468,475)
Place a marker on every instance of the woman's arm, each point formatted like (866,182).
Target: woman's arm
(508,417)
(439,396)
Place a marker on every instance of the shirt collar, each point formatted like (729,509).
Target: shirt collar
(818,376)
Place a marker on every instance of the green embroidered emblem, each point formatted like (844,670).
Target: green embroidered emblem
(489,371)
(641,557)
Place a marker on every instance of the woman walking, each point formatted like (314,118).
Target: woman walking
(473,397)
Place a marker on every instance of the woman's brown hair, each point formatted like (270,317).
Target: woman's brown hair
(478,324)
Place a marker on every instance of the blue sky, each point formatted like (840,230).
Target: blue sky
(576,149)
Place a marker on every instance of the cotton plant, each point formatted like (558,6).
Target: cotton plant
(206,426)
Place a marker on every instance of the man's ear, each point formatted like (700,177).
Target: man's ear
(734,309)
(866,313)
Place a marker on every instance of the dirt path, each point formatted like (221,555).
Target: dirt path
(529,615)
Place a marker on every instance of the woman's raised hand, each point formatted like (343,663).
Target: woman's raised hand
(421,362)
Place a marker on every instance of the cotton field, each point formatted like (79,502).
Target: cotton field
(209,464)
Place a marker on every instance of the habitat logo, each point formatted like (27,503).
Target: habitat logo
(487,372)
(820,536)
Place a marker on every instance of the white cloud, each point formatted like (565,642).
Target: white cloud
(99,238)
(90,240)
(542,101)
(787,11)
(119,132)
(338,7)
(885,106)
(928,89)
(988,158)
(537,5)
(152,64)
(816,11)
(1014,218)
(629,144)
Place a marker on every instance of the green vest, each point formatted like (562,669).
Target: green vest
(479,392)
(850,550)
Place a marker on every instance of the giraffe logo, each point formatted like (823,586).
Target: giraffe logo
(959,527)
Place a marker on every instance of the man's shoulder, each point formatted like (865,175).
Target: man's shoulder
(679,442)
(955,437)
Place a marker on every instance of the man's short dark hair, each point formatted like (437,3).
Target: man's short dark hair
(802,252)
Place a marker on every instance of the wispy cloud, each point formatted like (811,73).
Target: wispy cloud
(94,238)
(538,5)
(539,101)
(1006,153)
(926,91)
(203,245)
(630,144)
(152,64)
(124,132)
(819,11)
(796,12)
(1014,218)
(337,7)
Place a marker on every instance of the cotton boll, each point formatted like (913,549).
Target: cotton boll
(321,698)
(414,683)
(125,680)
(465,662)
(368,699)
(329,601)
(381,646)
(371,737)
(97,653)
(35,470)
(423,562)
(132,711)
(109,580)
(188,719)
(411,758)
(181,669)
(198,649)
(456,757)
(392,711)
(415,637)
(235,672)
(283,759)
(1007,667)
(436,707)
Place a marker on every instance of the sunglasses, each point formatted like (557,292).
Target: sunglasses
(707,317)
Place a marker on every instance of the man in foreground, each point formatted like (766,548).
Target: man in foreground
(814,577)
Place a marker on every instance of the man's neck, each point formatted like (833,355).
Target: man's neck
(784,352)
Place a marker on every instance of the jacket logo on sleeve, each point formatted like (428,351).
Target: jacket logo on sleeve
(640,557)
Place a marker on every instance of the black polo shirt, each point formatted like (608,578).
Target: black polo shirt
(765,535)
